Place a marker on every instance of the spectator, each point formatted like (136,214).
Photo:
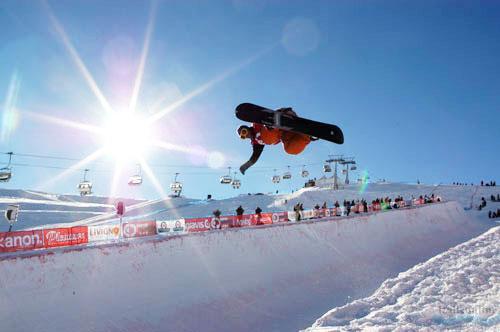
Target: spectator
(482,183)
(324,207)
(483,202)
(337,205)
(489,214)
(365,206)
(239,216)
(216,224)
(493,199)
(498,197)
(258,213)
(296,209)
(316,211)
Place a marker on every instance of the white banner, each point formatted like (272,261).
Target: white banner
(104,233)
(171,227)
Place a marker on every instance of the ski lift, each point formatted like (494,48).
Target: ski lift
(276,178)
(353,168)
(136,179)
(236,183)
(287,175)
(226,179)
(6,172)
(304,172)
(85,187)
(327,168)
(176,186)
(344,171)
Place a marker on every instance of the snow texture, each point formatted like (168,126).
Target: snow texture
(456,290)
(275,278)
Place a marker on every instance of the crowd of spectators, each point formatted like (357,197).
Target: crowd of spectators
(491,214)
(483,183)
(348,206)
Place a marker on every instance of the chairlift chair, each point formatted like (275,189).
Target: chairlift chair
(353,168)
(327,168)
(236,183)
(276,178)
(6,172)
(287,175)
(136,179)
(176,186)
(304,172)
(226,179)
(85,186)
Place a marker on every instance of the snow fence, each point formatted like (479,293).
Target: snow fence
(278,277)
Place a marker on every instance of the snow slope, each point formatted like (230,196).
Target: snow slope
(39,209)
(457,290)
(275,278)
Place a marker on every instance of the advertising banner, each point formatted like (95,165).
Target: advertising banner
(307,214)
(71,236)
(22,240)
(104,233)
(171,227)
(280,217)
(264,219)
(199,224)
(139,229)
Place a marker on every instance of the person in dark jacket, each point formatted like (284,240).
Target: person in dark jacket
(239,216)
(217,223)
(296,209)
(258,214)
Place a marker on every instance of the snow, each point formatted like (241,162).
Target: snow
(266,278)
(458,289)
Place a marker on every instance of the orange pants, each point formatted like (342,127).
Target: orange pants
(293,143)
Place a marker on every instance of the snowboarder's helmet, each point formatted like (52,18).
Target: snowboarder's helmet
(244,131)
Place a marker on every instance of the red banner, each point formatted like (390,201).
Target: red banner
(60,237)
(22,240)
(199,224)
(139,229)
(263,219)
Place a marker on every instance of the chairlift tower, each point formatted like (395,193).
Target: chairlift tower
(335,159)
(347,161)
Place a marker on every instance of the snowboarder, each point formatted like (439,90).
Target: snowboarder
(261,135)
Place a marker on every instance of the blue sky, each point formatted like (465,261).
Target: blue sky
(414,85)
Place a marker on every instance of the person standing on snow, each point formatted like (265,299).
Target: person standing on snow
(239,216)
(258,214)
(261,135)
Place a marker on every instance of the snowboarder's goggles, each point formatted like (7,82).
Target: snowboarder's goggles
(244,133)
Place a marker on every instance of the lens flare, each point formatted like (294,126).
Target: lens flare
(10,117)
(363,184)
(127,136)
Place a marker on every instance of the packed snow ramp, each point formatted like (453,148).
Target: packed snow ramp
(271,278)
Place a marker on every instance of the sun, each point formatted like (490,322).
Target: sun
(127,136)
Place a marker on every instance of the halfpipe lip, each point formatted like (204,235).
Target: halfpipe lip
(161,238)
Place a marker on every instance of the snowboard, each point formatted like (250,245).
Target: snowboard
(257,114)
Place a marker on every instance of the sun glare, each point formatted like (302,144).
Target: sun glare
(127,136)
